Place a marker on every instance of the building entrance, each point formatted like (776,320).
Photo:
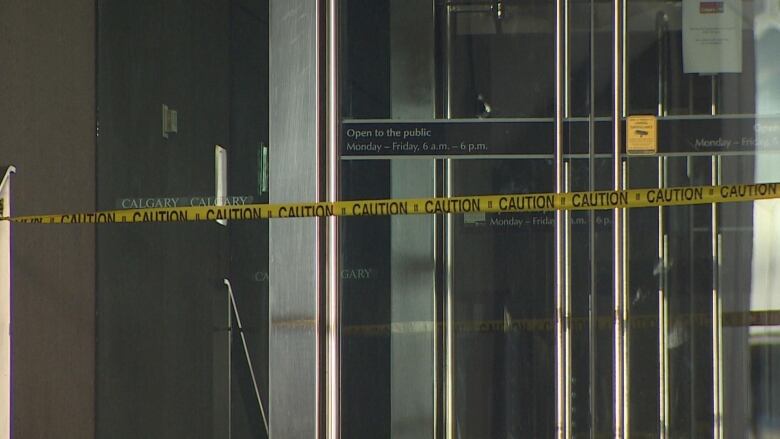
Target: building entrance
(639,323)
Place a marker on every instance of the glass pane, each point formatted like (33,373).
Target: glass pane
(174,81)
(503,280)
(388,312)
(589,256)
(702,274)
(390,379)
(412,331)
(590,284)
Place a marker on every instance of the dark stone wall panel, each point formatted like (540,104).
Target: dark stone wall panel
(47,130)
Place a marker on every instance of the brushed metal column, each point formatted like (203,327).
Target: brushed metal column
(294,265)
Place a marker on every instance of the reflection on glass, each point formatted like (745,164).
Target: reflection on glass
(503,303)
(710,369)
(700,279)
(764,338)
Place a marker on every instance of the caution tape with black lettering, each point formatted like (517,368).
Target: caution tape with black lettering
(539,202)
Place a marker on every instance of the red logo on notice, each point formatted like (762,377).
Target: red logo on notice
(711,7)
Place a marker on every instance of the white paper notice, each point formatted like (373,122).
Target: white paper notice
(712,36)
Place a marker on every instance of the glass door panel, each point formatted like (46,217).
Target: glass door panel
(588,258)
(590,273)
(708,368)
(504,339)
(502,266)
(390,327)
(444,277)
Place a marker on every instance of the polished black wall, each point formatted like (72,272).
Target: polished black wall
(165,364)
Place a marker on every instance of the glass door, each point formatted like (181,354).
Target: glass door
(500,280)
(651,322)
(453,329)
(702,69)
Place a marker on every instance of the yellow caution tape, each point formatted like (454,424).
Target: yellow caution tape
(540,202)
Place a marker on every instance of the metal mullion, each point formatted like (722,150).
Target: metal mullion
(449,241)
(332,259)
(592,301)
(663,414)
(719,257)
(567,307)
(562,401)
(663,324)
(662,29)
(440,420)
(447,245)
(618,112)
(717,389)
(624,269)
(665,315)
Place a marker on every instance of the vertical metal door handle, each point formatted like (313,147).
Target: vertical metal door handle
(220,178)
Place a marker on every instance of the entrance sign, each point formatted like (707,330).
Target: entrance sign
(446,137)
(535,137)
